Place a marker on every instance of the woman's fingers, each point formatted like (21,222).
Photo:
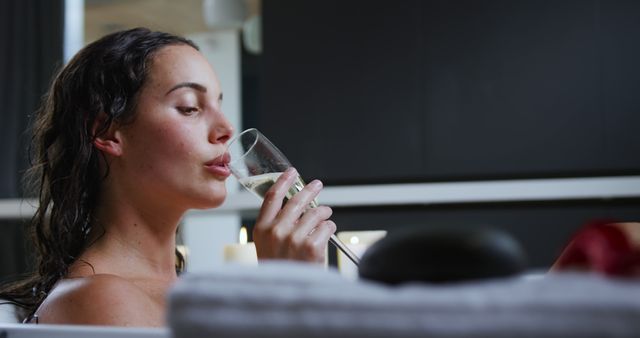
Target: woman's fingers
(274,198)
(316,242)
(309,221)
(300,202)
(293,230)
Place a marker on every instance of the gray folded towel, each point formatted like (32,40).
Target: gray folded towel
(285,299)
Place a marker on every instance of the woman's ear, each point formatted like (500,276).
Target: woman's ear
(108,141)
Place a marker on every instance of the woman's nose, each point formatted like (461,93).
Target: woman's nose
(221,131)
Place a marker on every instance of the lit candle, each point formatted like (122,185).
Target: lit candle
(242,252)
(358,242)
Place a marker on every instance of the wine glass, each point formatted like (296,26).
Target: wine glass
(257,163)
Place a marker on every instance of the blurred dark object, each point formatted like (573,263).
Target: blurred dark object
(604,247)
(442,256)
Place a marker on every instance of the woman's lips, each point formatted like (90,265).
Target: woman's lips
(219,166)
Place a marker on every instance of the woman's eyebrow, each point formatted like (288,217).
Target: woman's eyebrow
(192,85)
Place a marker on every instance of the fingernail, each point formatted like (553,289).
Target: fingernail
(291,171)
(317,184)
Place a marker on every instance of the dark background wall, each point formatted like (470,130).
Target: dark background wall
(448,90)
(31,42)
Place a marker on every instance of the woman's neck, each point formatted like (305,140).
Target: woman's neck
(133,239)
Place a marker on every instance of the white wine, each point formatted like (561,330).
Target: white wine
(260,184)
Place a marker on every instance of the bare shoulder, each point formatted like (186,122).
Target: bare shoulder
(101,299)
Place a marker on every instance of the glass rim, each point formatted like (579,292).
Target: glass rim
(237,137)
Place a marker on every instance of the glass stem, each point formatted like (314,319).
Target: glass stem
(340,245)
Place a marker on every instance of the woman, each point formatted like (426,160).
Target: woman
(130,137)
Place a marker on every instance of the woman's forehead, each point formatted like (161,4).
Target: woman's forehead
(181,63)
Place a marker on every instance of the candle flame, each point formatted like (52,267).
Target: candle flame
(242,237)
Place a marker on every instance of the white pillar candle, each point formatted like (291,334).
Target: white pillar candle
(358,242)
(242,252)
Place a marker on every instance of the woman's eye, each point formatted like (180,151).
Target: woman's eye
(188,110)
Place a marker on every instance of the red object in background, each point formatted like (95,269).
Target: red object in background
(602,247)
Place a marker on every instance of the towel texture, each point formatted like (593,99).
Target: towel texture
(285,299)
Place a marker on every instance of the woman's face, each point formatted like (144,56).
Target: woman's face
(174,150)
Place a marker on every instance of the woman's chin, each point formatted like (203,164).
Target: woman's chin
(211,201)
(203,205)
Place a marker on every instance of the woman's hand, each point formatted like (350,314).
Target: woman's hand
(293,231)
